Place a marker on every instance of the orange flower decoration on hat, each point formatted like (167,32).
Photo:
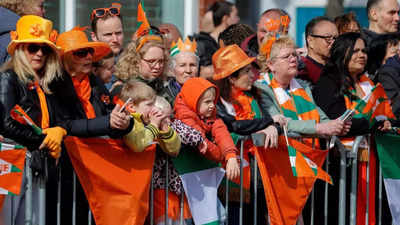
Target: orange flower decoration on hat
(32,29)
(266,46)
(76,39)
(229,59)
(273,25)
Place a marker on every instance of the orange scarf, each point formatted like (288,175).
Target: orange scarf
(45,120)
(83,90)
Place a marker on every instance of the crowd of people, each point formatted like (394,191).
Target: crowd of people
(200,93)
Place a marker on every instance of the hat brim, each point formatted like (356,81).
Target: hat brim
(101,49)
(227,73)
(13,44)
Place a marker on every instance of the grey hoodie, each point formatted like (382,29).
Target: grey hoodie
(8,20)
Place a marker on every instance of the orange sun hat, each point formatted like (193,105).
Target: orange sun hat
(76,39)
(229,59)
(33,29)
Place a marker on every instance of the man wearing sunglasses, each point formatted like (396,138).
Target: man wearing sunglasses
(320,34)
(107,27)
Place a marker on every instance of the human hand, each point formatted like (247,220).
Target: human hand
(53,139)
(386,126)
(156,116)
(271,136)
(203,147)
(232,168)
(281,119)
(331,128)
(119,120)
(346,127)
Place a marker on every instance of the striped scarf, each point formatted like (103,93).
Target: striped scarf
(294,102)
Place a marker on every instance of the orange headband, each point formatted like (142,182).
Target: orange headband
(146,39)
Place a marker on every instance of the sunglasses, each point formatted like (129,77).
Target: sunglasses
(82,53)
(114,10)
(33,48)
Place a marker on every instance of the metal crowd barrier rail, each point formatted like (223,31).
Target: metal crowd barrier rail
(345,155)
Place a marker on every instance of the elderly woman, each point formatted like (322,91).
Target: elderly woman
(144,59)
(25,80)
(88,109)
(282,93)
(184,64)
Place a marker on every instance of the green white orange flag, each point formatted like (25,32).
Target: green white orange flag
(12,161)
(287,194)
(389,157)
(18,114)
(116,180)
(201,178)
(142,22)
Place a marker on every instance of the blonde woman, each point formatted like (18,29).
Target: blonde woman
(145,59)
(10,11)
(25,80)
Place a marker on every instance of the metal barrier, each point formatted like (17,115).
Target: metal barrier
(345,155)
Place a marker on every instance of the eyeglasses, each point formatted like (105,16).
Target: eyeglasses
(82,53)
(33,48)
(114,10)
(328,38)
(288,56)
(154,62)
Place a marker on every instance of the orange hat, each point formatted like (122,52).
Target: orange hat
(76,39)
(229,59)
(33,29)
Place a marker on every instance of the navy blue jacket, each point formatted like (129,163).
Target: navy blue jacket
(8,19)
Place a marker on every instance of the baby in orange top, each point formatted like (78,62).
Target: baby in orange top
(195,106)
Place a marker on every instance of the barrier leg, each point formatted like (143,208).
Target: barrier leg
(166,191)
(326,199)
(367,194)
(74,200)
(181,207)
(59,197)
(353,192)
(255,190)
(89,217)
(151,200)
(42,201)
(227,200)
(312,207)
(342,188)
(28,193)
(241,183)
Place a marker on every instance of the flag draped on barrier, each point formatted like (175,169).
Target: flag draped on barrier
(389,157)
(116,180)
(201,178)
(12,161)
(287,194)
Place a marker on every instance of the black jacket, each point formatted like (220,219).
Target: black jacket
(73,118)
(12,92)
(326,96)
(389,76)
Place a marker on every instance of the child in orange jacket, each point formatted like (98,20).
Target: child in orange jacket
(195,106)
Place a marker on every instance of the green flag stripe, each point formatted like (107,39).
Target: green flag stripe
(190,160)
(15,169)
(289,113)
(213,223)
(387,147)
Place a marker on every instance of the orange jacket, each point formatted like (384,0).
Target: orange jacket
(222,146)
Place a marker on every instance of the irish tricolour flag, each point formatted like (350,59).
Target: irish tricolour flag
(388,151)
(12,159)
(201,178)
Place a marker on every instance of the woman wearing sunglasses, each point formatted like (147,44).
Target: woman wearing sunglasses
(25,80)
(145,59)
(89,110)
